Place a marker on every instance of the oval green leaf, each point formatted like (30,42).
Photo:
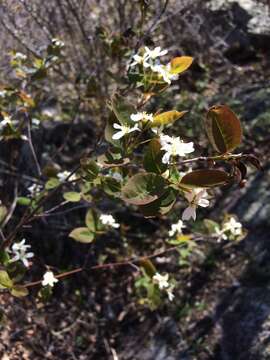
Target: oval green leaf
(72,196)
(82,234)
(223,128)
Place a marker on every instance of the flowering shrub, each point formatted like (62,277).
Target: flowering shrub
(143,165)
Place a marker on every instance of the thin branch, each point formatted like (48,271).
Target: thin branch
(32,146)
(128,262)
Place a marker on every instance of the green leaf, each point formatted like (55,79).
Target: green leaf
(4,257)
(90,167)
(180,64)
(82,234)
(19,291)
(3,212)
(211,226)
(166,118)
(152,161)
(52,183)
(112,159)
(204,178)
(22,200)
(72,196)
(91,221)
(111,186)
(223,128)
(148,267)
(143,188)
(160,206)
(122,110)
(5,280)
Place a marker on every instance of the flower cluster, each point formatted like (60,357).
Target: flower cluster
(149,60)
(174,146)
(108,220)
(163,283)
(19,250)
(176,228)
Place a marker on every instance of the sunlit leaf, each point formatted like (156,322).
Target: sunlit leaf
(72,196)
(3,212)
(5,280)
(223,128)
(52,183)
(180,64)
(19,291)
(166,118)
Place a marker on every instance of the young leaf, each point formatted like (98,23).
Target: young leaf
(52,183)
(5,280)
(72,196)
(91,220)
(204,178)
(3,213)
(22,200)
(180,64)
(82,234)
(19,291)
(223,128)
(143,188)
(168,117)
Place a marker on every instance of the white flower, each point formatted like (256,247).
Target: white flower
(174,146)
(49,279)
(123,130)
(220,234)
(176,228)
(161,280)
(156,52)
(109,220)
(165,72)
(34,189)
(19,56)
(6,120)
(196,197)
(141,116)
(140,60)
(117,176)
(57,42)
(170,294)
(233,226)
(20,253)
(64,174)
(35,121)
(3,93)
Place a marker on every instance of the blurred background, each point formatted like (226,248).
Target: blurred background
(222,302)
